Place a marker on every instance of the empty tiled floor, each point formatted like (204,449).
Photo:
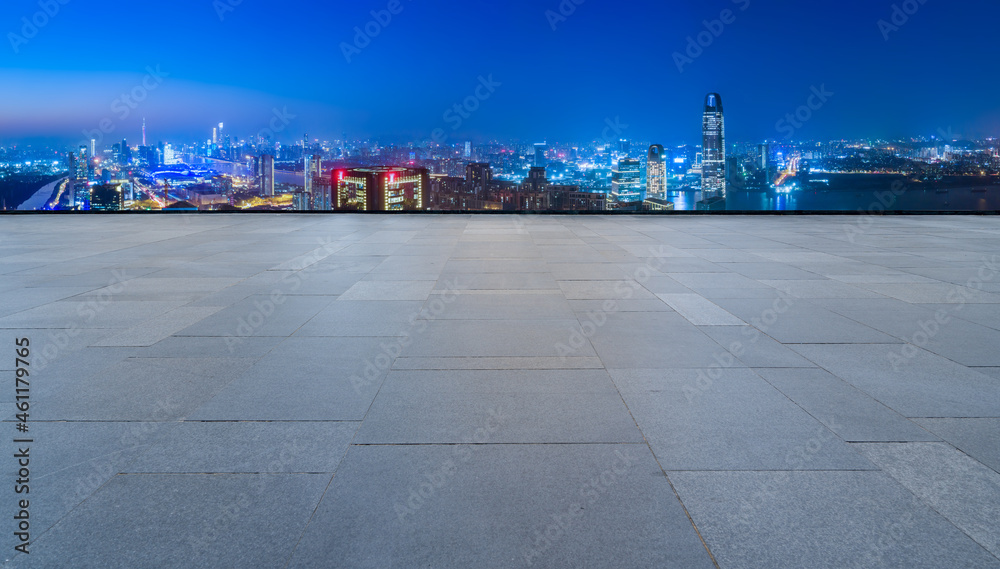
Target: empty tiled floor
(506,391)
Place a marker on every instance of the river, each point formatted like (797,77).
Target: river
(40,198)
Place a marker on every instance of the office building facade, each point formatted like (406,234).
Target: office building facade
(626,181)
(383,188)
(656,172)
(713,165)
(107,197)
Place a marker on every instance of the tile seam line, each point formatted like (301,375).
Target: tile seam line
(896,480)
(666,476)
(931,506)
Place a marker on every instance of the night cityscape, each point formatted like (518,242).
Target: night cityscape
(537,283)
(228,172)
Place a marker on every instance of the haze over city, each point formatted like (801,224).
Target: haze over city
(563,66)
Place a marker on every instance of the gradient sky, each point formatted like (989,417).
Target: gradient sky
(606,60)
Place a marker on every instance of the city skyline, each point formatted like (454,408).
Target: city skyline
(559,85)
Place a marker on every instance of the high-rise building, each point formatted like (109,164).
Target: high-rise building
(536,181)
(626,181)
(150,156)
(323,189)
(656,172)
(540,148)
(170,155)
(478,177)
(382,188)
(713,168)
(468,149)
(764,152)
(126,153)
(71,182)
(82,165)
(266,175)
(313,171)
(107,197)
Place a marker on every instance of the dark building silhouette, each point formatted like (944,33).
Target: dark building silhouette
(107,197)
(540,149)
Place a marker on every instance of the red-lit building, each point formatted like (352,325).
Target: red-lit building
(382,188)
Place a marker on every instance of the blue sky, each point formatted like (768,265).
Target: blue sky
(605,60)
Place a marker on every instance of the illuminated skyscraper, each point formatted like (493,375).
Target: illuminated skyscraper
(382,188)
(656,172)
(266,175)
(713,169)
(313,171)
(82,165)
(626,181)
(70,184)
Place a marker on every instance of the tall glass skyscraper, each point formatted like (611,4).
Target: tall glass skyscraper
(656,172)
(266,175)
(713,167)
(626,181)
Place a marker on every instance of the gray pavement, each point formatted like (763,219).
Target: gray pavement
(505,391)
